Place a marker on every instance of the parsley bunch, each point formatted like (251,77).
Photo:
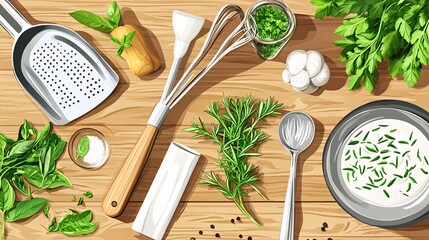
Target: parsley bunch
(237,134)
(393,30)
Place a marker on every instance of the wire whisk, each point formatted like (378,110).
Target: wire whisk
(239,37)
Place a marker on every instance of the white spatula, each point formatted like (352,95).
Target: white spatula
(186,27)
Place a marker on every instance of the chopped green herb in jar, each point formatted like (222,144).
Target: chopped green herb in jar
(272,22)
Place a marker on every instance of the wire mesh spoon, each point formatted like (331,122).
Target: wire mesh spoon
(296,133)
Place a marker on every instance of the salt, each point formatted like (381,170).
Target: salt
(97,153)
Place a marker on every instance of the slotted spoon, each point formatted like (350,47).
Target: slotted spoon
(60,71)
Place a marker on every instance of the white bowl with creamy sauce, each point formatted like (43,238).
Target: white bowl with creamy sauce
(376,163)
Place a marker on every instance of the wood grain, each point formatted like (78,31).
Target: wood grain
(194,216)
(122,118)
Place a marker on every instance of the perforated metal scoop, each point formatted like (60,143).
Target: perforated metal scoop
(63,74)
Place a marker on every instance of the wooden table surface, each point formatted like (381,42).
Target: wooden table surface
(123,116)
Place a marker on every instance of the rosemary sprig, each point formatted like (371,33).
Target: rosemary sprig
(237,133)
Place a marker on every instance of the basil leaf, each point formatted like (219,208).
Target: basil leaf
(20,149)
(76,224)
(2,150)
(7,195)
(26,131)
(57,145)
(79,228)
(46,163)
(60,181)
(43,133)
(129,37)
(120,51)
(82,147)
(33,175)
(20,184)
(92,20)
(88,194)
(114,14)
(53,225)
(115,40)
(46,210)
(6,139)
(25,209)
(33,157)
(80,202)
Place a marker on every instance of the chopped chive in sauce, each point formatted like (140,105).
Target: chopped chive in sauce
(366,136)
(371,149)
(386,193)
(405,153)
(376,129)
(375,159)
(389,137)
(391,182)
(384,158)
(357,135)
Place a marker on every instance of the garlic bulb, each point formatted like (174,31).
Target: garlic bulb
(314,63)
(300,81)
(322,77)
(296,61)
(286,76)
(306,71)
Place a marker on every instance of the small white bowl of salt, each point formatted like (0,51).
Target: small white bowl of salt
(89,148)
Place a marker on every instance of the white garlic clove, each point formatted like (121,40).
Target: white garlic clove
(286,76)
(323,77)
(300,81)
(296,61)
(310,89)
(315,63)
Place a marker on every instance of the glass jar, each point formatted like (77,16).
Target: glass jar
(270,48)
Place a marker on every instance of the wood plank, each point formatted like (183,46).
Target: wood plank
(192,217)
(132,102)
(274,167)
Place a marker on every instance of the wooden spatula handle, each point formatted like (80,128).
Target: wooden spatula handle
(123,185)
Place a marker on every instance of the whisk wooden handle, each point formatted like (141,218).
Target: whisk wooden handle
(120,190)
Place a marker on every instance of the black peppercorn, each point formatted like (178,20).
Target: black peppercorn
(238,218)
(323,229)
(201,232)
(192,238)
(240,236)
(212,226)
(329,238)
(249,238)
(232,220)
(217,235)
(325,224)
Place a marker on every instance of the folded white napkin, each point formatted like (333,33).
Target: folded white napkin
(166,191)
